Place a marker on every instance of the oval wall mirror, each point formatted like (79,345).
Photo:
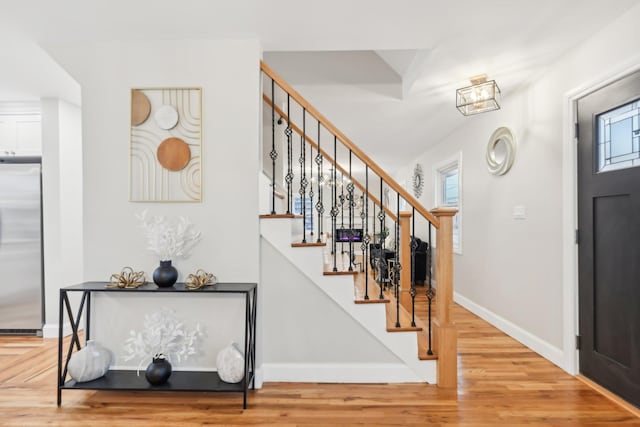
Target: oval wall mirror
(501,151)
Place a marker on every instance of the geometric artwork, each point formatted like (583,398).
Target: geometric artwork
(165,159)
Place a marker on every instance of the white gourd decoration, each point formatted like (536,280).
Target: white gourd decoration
(89,363)
(230,363)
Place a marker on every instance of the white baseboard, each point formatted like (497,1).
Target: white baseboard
(338,373)
(50,330)
(543,348)
(259,377)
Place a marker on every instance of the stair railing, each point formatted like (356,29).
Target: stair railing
(391,208)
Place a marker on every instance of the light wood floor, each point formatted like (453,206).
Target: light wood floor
(502,383)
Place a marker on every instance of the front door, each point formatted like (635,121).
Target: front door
(609,236)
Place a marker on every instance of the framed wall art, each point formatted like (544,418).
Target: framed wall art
(165,157)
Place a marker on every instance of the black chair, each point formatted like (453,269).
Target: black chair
(379,262)
(421,261)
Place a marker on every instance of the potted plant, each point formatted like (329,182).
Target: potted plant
(164,339)
(169,239)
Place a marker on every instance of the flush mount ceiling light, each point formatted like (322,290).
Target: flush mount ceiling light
(480,97)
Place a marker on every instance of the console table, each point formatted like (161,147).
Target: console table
(179,380)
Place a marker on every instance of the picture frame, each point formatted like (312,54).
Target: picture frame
(165,157)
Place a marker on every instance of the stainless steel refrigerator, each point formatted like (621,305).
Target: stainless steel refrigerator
(21,273)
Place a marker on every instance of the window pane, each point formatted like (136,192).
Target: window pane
(297,210)
(619,138)
(450,189)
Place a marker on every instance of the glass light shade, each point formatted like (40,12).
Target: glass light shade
(478,98)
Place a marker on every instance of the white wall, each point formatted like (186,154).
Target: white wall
(227,71)
(304,325)
(62,202)
(513,271)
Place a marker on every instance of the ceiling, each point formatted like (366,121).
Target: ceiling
(384,72)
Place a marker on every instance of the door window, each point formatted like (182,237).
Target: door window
(619,137)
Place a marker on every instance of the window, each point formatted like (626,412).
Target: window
(448,191)
(297,210)
(619,138)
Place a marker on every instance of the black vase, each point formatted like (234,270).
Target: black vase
(165,275)
(158,371)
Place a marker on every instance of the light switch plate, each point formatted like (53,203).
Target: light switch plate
(519,212)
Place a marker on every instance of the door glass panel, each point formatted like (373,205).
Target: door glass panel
(619,137)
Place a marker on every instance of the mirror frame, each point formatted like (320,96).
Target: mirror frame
(505,135)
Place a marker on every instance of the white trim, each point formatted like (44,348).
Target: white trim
(259,377)
(543,348)
(339,373)
(438,168)
(570,207)
(50,330)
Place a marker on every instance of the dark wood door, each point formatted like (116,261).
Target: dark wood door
(609,236)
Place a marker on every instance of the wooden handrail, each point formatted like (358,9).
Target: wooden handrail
(327,156)
(350,145)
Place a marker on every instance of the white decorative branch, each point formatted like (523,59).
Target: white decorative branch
(163,334)
(169,239)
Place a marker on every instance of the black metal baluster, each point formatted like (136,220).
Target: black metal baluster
(366,240)
(311,194)
(430,293)
(320,205)
(414,247)
(374,222)
(397,267)
(351,205)
(382,267)
(334,201)
(360,201)
(273,154)
(303,176)
(342,199)
(289,178)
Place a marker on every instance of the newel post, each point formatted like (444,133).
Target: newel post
(405,260)
(446,336)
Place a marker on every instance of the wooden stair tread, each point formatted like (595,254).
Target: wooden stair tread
(371,301)
(405,317)
(329,272)
(341,263)
(307,244)
(359,288)
(423,347)
(276,216)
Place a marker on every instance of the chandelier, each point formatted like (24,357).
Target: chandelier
(480,97)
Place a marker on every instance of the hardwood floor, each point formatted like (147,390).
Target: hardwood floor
(501,383)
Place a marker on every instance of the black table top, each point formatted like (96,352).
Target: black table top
(233,288)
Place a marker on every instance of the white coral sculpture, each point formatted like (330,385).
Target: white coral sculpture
(169,239)
(163,335)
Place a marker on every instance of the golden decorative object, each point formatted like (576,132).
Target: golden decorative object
(200,280)
(140,107)
(174,154)
(127,279)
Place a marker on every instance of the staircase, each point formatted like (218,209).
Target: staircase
(354,233)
